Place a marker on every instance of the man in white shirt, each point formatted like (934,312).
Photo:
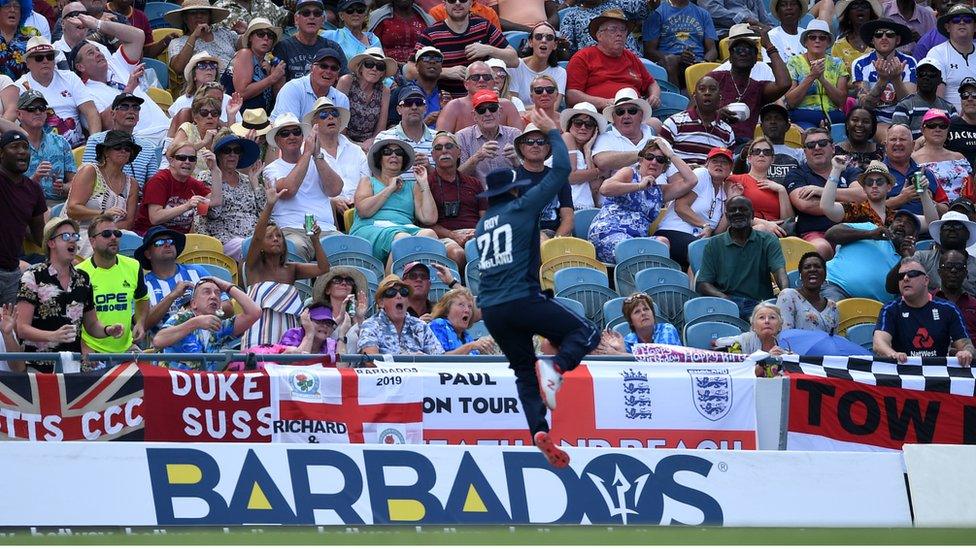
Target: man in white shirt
(307,173)
(73,32)
(106,78)
(618,146)
(66,94)
(298,96)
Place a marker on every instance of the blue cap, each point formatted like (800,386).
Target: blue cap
(411,91)
(326,53)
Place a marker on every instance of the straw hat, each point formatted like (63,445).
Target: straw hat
(374,166)
(191,65)
(625,96)
(176,17)
(252,119)
(322,282)
(322,103)
(582,108)
(256,24)
(613,14)
(284,120)
(377,55)
(531,128)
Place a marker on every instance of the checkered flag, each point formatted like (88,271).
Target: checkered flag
(938,374)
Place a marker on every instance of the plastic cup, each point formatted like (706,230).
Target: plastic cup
(203,207)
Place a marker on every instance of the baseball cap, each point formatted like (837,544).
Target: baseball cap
(326,53)
(719,151)
(320,312)
(409,91)
(964,205)
(410,266)
(928,62)
(11,136)
(127,97)
(912,216)
(968,81)
(774,107)
(302,3)
(932,114)
(30,97)
(484,96)
(425,50)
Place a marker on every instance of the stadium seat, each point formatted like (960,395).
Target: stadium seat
(657,71)
(549,268)
(161,97)
(668,86)
(924,245)
(345,243)
(79,154)
(472,276)
(208,257)
(216,271)
(670,301)
(566,245)
(723,49)
(696,253)
(58,208)
(701,335)
(160,68)
(478,330)
(129,240)
(613,312)
(581,221)
(570,276)
(647,279)
(694,73)
(516,39)
(794,137)
(592,296)
(437,290)
(634,255)
(793,249)
(838,132)
(156,10)
(671,103)
(857,310)
(794,278)
(572,305)
(349,253)
(304,289)
(862,334)
(622,328)
(200,242)
(709,305)
(419,248)
(721,318)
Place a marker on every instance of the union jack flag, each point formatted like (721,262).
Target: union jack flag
(100,405)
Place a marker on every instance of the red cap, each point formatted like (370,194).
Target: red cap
(484,96)
(719,151)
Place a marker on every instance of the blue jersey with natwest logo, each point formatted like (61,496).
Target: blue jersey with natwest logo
(922,331)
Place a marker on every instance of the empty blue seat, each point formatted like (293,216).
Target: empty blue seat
(156,10)
(613,311)
(346,243)
(670,299)
(215,271)
(572,305)
(635,255)
(647,279)
(478,330)
(863,335)
(709,305)
(592,296)
(696,253)
(160,68)
(569,276)
(581,221)
(701,335)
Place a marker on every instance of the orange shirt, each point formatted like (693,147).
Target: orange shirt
(439,13)
(765,203)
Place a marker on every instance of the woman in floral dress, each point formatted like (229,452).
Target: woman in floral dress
(949,167)
(14,36)
(633,197)
(234,220)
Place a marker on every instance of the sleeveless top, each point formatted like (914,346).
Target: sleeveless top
(363,111)
(281,305)
(263,100)
(103,198)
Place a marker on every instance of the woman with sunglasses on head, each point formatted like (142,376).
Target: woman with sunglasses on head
(173,196)
(55,300)
(633,197)
(103,188)
(255,72)
(541,59)
(200,132)
(352,34)
(369,95)
(391,330)
(949,167)
(820,80)
(860,147)
(770,200)
(581,126)
(243,198)
(503,83)
(804,308)
(389,207)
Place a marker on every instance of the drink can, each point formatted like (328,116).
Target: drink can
(309,224)
(351,308)
(921,185)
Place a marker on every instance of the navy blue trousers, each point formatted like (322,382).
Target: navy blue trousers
(514,323)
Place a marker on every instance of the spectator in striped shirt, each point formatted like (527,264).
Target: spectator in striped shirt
(124,114)
(910,110)
(697,130)
(461,39)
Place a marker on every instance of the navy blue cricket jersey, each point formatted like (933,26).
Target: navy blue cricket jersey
(924,331)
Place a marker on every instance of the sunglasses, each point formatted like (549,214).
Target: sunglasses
(185,157)
(743,47)
(370,64)
(208,113)
(482,77)
(109,233)
(584,123)
(419,275)
(885,34)
(539,37)
(128,107)
(818,37)
(620,111)
(77,13)
(874,182)
(355,11)
(343,280)
(539,90)
(328,66)
(208,64)
(35,109)
(820,143)
(67,237)
(393,151)
(290,132)
(263,34)
(637,296)
(953,267)
(431,58)
(310,13)
(392,292)
(456,1)
(537,141)
(325,113)
(968,95)
(125,148)
(936,126)
(659,158)
(914,273)
(45,57)
(444,147)
(232,150)
(963,19)
(413,102)
(490,107)
(761,152)
(163,242)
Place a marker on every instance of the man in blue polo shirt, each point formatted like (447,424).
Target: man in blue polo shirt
(898,158)
(917,325)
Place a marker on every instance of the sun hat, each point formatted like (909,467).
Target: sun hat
(284,120)
(935,227)
(252,119)
(256,24)
(191,65)
(531,128)
(613,14)
(816,25)
(322,282)
(250,152)
(321,103)
(390,64)
(114,138)
(585,108)
(371,156)
(500,182)
(177,16)
(625,96)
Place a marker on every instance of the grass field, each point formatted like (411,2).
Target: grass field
(492,535)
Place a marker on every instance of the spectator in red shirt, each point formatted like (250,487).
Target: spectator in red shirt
(456,197)
(397,25)
(172,197)
(596,73)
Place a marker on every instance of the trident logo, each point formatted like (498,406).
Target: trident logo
(623,486)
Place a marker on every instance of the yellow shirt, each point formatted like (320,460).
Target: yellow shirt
(116,291)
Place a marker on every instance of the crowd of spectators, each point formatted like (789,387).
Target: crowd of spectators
(717,128)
